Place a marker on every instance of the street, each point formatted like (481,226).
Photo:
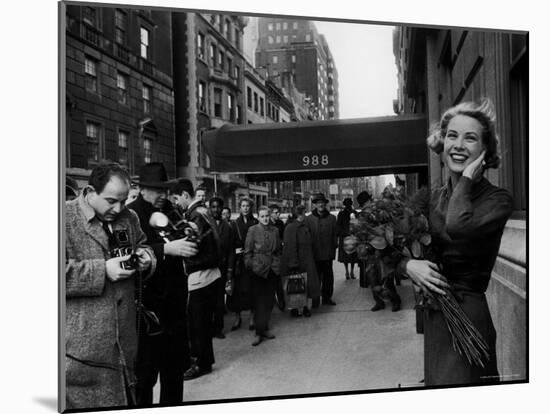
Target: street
(340,348)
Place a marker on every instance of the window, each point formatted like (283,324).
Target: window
(294,25)
(277,39)
(146,95)
(147,149)
(93,144)
(220,59)
(293,58)
(249,97)
(308,38)
(89,16)
(261,106)
(239,114)
(236,72)
(213,54)
(121,22)
(90,68)
(278,26)
(227,29)
(285,25)
(275,59)
(122,86)
(231,107)
(144,40)
(229,65)
(255,102)
(200,45)
(123,148)
(270,27)
(202,99)
(285,39)
(270,40)
(217,102)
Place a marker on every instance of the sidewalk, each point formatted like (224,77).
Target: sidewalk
(340,348)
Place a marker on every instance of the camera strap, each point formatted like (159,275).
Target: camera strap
(112,240)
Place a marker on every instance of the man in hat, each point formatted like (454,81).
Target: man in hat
(163,344)
(100,330)
(322,226)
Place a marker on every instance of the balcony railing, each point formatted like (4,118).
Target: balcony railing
(146,66)
(121,52)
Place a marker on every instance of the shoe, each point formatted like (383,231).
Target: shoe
(347,276)
(195,371)
(219,335)
(257,340)
(294,312)
(268,335)
(251,327)
(236,324)
(378,307)
(307,312)
(352,275)
(329,302)
(395,307)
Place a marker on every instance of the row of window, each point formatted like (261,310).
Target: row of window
(95,144)
(279,25)
(233,111)
(284,39)
(122,83)
(90,17)
(227,29)
(275,59)
(256,103)
(217,57)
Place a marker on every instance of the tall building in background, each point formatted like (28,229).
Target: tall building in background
(294,46)
(119,89)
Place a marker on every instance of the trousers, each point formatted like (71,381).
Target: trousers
(326,277)
(263,291)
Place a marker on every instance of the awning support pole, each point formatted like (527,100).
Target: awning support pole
(215,185)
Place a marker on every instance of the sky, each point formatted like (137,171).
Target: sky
(367,74)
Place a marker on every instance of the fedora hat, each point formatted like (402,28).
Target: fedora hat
(153,175)
(318,197)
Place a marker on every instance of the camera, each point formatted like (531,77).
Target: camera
(174,227)
(124,248)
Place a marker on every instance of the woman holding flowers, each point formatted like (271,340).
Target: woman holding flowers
(467,217)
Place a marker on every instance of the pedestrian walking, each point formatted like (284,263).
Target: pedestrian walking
(241,296)
(298,257)
(342,231)
(322,226)
(276,221)
(262,251)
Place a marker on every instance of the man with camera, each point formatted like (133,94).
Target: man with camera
(104,248)
(163,342)
(204,277)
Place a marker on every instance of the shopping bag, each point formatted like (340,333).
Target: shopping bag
(294,288)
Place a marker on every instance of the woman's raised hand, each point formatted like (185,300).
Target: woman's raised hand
(426,275)
(474,171)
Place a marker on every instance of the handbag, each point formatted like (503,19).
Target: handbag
(296,284)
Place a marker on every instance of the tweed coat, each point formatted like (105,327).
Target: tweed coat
(100,331)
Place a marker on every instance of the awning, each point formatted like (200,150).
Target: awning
(319,149)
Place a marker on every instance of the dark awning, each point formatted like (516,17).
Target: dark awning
(319,149)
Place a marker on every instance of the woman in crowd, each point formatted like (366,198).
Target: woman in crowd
(467,217)
(298,256)
(342,229)
(262,250)
(241,283)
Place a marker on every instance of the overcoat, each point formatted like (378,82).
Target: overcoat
(262,250)
(100,330)
(323,233)
(298,254)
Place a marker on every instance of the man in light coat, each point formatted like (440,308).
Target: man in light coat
(322,226)
(100,331)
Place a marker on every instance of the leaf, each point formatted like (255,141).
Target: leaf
(426,239)
(379,242)
(416,249)
(406,252)
(389,235)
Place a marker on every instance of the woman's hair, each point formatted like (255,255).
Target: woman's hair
(264,208)
(484,113)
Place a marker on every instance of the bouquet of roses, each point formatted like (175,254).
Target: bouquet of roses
(392,228)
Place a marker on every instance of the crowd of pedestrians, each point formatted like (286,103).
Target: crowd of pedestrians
(172,303)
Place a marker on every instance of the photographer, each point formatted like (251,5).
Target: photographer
(100,332)
(163,342)
(204,276)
